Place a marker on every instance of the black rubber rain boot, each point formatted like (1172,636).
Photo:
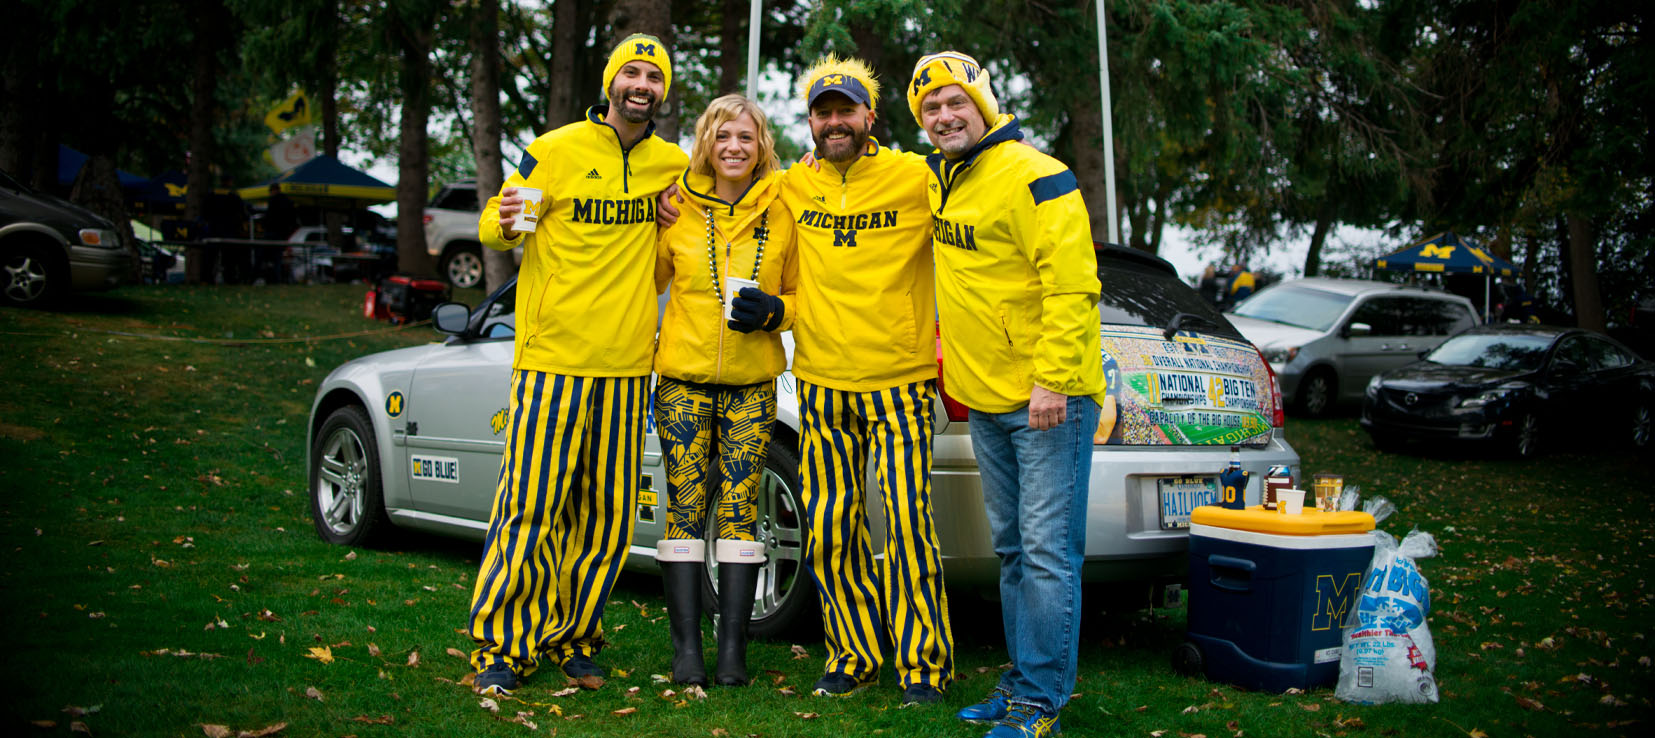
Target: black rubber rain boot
(736,584)
(682,581)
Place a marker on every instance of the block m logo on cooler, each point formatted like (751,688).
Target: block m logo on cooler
(1433,251)
(1334,599)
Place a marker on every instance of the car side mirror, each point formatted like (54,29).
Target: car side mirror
(1356,330)
(450,318)
(1423,353)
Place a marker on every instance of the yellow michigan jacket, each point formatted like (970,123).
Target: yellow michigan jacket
(696,343)
(586,290)
(867,317)
(1017,277)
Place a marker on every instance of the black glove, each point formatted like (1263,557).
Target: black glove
(752,310)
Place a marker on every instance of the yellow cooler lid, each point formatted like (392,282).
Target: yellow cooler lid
(1311,522)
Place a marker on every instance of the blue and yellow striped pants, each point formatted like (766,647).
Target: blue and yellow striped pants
(869,605)
(703,425)
(562,518)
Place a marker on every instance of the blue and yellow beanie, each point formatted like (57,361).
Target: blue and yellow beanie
(638,47)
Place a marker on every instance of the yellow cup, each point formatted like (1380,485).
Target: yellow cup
(1329,487)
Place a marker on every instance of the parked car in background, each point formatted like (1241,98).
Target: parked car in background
(413,438)
(1517,385)
(451,234)
(49,246)
(311,259)
(1325,338)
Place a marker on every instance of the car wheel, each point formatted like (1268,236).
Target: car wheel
(1525,436)
(1316,393)
(1643,418)
(31,276)
(1187,660)
(463,266)
(785,590)
(347,500)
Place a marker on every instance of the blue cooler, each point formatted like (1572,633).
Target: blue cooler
(1270,593)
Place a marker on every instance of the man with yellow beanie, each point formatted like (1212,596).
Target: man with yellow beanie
(586,314)
(865,359)
(1017,295)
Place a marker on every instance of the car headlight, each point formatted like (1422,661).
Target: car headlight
(1373,386)
(1486,398)
(1280,355)
(99,237)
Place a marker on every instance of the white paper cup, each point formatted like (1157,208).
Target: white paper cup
(732,287)
(1290,501)
(529,219)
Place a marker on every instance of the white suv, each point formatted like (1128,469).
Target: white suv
(1325,338)
(451,234)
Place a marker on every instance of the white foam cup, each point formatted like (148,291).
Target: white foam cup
(1290,501)
(732,287)
(529,219)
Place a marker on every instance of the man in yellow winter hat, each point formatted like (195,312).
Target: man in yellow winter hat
(1017,294)
(586,309)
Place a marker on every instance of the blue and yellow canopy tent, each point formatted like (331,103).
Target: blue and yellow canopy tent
(1448,253)
(323,181)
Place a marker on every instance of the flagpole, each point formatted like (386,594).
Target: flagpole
(1108,130)
(754,19)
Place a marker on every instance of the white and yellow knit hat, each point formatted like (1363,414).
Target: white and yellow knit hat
(944,68)
(638,47)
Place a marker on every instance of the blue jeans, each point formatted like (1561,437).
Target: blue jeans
(1035,486)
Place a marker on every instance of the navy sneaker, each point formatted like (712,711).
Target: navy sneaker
(581,665)
(992,708)
(496,679)
(920,694)
(840,685)
(1025,721)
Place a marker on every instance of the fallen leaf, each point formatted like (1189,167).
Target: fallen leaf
(413,658)
(1142,708)
(1350,722)
(1192,709)
(350,556)
(79,727)
(381,720)
(788,692)
(1157,733)
(490,705)
(1312,707)
(632,691)
(589,682)
(799,652)
(566,692)
(808,715)
(1293,690)
(373,650)
(720,732)
(78,711)
(1529,704)
(457,653)
(314,693)
(694,692)
(626,711)
(1477,733)
(322,654)
(48,724)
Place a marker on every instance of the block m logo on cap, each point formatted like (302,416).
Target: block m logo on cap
(643,48)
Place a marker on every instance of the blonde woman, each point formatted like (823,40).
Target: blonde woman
(719,354)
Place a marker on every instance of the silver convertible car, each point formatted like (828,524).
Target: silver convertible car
(413,438)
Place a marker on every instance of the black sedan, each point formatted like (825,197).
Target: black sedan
(1518,386)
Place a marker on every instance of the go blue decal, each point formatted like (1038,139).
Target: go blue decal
(434,468)
(394,404)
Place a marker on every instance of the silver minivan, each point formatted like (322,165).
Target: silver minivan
(413,438)
(1325,338)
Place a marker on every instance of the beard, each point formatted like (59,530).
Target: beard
(630,114)
(843,150)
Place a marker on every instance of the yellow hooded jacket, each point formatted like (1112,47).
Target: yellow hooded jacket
(866,293)
(586,292)
(696,343)
(1017,284)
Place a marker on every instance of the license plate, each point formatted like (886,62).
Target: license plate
(1181,495)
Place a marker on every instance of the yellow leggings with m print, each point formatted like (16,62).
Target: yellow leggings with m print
(706,425)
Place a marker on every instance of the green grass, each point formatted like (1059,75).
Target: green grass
(154,503)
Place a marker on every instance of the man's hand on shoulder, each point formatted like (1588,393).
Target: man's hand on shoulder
(1047,409)
(666,209)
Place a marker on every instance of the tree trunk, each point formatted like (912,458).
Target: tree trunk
(209,33)
(568,37)
(1318,237)
(653,17)
(1086,128)
(870,48)
(1583,273)
(413,37)
(732,63)
(325,93)
(498,266)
